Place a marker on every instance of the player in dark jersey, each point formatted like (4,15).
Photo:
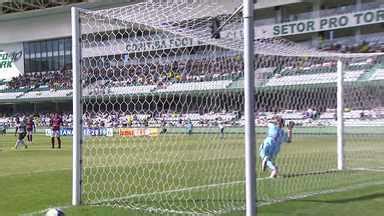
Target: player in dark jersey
(30,129)
(55,124)
(3,129)
(221,128)
(163,127)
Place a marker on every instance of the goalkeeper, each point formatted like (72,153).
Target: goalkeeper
(272,143)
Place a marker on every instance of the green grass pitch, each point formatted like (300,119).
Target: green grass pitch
(198,173)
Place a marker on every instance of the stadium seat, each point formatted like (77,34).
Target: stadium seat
(9,95)
(46,94)
(197,86)
(379,74)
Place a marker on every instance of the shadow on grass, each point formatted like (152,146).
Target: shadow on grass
(348,200)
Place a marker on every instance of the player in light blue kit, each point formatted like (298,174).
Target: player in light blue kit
(189,127)
(272,143)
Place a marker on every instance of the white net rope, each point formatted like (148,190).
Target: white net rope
(168,96)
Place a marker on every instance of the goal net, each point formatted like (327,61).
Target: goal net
(162,111)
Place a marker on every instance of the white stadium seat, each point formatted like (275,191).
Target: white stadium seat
(313,78)
(196,86)
(9,95)
(379,75)
(47,94)
(132,89)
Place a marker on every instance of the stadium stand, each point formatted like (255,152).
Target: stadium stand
(369,43)
(319,74)
(53,80)
(181,74)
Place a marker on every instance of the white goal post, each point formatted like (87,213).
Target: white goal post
(340,115)
(167,109)
(249,104)
(77,104)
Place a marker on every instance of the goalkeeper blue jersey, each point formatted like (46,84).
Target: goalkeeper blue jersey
(276,136)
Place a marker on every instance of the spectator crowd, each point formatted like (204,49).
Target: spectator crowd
(166,72)
(53,80)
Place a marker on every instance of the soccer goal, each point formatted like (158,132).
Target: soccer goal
(159,111)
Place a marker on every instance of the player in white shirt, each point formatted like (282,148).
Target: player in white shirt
(21,131)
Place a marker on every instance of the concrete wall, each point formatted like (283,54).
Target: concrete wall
(36,28)
(46,23)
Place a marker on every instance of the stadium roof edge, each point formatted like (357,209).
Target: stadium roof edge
(117,3)
(65,8)
(261,4)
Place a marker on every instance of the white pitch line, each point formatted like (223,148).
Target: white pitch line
(152,210)
(35,172)
(53,170)
(29,149)
(167,191)
(176,190)
(368,169)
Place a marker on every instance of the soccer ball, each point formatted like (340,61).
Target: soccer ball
(54,212)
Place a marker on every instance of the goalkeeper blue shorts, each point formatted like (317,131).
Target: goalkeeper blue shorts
(267,150)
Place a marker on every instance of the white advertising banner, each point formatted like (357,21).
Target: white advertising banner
(322,23)
(11,60)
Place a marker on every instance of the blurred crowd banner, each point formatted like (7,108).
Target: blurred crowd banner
(139,132)
(87,132)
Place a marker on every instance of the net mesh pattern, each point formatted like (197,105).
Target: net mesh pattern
(169,96)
